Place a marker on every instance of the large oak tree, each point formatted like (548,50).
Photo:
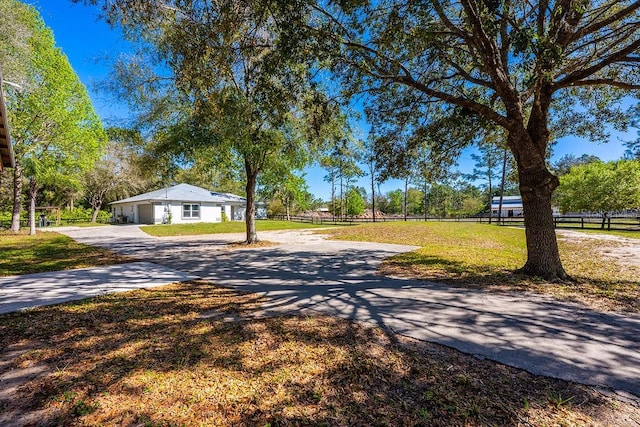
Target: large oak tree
(539,69)
(237,85)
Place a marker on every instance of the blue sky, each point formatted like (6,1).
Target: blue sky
(89,42)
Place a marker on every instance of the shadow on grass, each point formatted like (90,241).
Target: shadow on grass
(617,293)
(193,355)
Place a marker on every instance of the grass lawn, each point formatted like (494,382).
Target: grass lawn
(48,251)
(192,355)
(84,224)
(222,227)
(485,256)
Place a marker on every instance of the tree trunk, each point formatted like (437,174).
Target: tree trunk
(404,207)
(373,194)
(94,214)
(333,196)
(490,197)
(341,197)
(17,197)
(504,172)
(424,195)
(33,192)
(536,187)
(250,215)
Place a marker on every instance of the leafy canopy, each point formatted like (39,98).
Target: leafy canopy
(601,187)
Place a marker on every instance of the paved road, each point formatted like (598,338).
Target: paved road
(33,290)
(309,273)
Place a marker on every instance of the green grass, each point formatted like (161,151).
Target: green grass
(48,251)
(83,224)
(221,227)
(485,256)
(448,247)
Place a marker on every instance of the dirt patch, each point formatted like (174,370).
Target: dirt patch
(619,249)
(245,245)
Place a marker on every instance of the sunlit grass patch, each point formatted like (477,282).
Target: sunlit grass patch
(486,256)
(221,227)
(49,251)
(152,357)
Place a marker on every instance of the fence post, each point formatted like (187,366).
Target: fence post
(609,223)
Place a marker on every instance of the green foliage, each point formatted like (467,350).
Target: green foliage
(355,203)
(438,74)
(81,213)
(56,132)
(341,160)
(55,128)
(440,200)
(566,162)
(19,23)
(599,186)
(415,201)
(236,90)
(395,201)
(286,189)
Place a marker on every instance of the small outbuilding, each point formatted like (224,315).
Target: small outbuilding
(511,206)
(180,204)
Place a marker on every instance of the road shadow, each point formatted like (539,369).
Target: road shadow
(561,340)
(195,354)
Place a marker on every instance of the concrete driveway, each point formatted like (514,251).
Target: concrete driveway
(307,272)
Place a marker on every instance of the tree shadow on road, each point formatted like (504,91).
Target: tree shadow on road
(196,354)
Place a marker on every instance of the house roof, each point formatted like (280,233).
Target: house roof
(496,198)
(7,159)
(184,193)
(508,202)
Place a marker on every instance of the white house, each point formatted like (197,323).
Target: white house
(180,204)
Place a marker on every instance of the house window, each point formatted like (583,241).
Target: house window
(190,211)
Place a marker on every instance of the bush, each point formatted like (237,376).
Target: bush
(82,214)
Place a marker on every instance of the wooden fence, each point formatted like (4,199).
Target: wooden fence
(586,223)
(5,224)
(574,222)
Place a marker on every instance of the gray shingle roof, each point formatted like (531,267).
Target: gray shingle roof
(184,193)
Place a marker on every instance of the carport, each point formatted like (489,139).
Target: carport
(145,214)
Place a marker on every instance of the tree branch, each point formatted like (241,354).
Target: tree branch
(576,76)
(606,82)
(581,32)
(481,109)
